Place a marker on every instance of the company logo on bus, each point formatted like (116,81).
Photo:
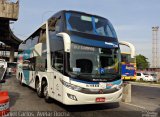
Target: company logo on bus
(111,44)
(80,47)
(130,67)
(109,84)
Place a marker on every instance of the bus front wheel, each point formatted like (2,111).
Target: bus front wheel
(45,92)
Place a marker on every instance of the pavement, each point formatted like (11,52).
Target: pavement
(24,101)
(147,97)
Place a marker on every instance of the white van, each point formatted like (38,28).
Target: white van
(3,63)
(152,77)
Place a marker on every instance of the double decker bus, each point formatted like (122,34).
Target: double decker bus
(128,62)
(74,58)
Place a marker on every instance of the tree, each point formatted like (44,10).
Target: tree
(142,62)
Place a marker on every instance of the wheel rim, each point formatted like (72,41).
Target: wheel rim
(45,91)
(38,88)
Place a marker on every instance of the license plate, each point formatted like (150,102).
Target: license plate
(102,85)
(100,99)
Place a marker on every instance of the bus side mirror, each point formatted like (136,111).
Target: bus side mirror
(37,50)
(2,81)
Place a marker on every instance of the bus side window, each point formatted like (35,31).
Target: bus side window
(42,38)
(32,64)
(45,64)
(55,24)
(26,64)
(58,61)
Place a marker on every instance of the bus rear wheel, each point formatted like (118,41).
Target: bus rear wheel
(38,89)
(45,92)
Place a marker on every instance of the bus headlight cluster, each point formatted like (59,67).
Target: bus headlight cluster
(71,86)
(119,86)
(73,97)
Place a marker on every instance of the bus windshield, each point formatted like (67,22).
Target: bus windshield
(89,24)
(94,62)
(127,58)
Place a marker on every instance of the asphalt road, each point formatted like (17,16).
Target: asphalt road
(145,101)
(146,97)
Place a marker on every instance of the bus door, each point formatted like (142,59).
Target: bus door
(58,65)
(29,71)
(32,72)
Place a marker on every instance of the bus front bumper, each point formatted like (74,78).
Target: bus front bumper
(71,97)
(128,78)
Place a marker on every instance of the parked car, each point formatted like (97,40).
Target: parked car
(3,63)
(151,77)
(11,68)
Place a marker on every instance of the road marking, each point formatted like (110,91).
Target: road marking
(134,105)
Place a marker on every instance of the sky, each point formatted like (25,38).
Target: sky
(132,19)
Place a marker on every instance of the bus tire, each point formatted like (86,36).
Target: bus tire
(45,92)
(38,88)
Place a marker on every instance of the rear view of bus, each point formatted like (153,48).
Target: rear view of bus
(128,67)
(79,61)
(128,61)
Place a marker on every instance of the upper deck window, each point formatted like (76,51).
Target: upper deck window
(89,24)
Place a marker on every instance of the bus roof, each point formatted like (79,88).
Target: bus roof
(62,12)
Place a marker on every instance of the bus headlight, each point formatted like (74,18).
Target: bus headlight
(73,97)
(71,86)
(119,86)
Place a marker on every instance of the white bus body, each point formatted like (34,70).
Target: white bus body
(42,66)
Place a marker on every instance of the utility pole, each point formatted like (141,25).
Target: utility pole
(155,54)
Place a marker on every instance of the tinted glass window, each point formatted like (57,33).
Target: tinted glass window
(145,73)
(55,24)
(127,58)
(91,60)
(85,65)
(12,65)
(90,24)
(57,60)
(31,41)
(153,74)
(138,74)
